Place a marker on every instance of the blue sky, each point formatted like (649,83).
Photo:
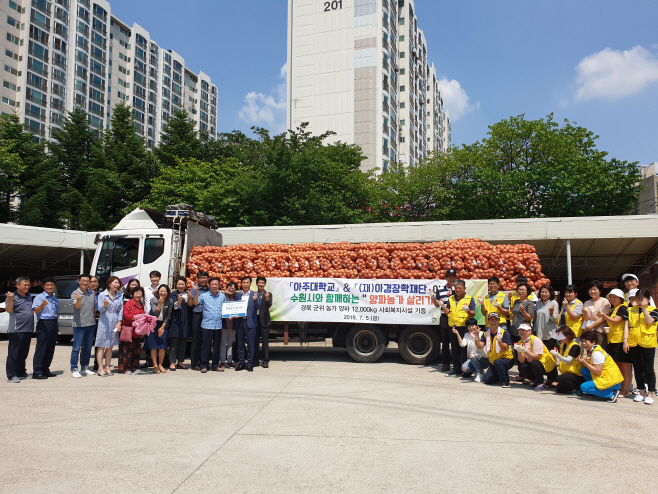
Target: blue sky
(594,62)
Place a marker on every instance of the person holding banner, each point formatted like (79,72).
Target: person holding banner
(264,322)
(460,307)
(247,325)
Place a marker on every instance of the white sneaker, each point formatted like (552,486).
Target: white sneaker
(478,378)
(137,371)
(76,374)
(127,373)
(638,398)
(88,372)
(648,401)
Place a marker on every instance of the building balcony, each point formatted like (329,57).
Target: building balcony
(33,114)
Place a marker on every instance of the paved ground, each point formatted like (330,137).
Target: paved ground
(314,422)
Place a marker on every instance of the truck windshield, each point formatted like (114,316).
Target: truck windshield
(65,287)
(116,255)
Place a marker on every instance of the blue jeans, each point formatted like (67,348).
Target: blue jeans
(498,372)
(476,364)
(82,338)
(589,388)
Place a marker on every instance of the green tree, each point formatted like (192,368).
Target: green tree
(537,168)
(178,140)
(20,156)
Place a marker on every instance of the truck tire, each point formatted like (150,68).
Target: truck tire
(419,345)
(365,344)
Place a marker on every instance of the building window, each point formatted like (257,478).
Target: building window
(402,89)
(402,105)
(401,54)
(402,37)
(401,21)
(402,122)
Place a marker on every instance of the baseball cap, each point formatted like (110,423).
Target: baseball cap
(525,326)
(451,272)
(631,293)
(629,275)
(617,292)
(493,314)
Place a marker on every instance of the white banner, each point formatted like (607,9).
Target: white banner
(369,301)
(234,309)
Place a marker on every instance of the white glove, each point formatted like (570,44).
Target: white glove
(554,353)
(499,336)
(519,348)
(496,304)
(465,308)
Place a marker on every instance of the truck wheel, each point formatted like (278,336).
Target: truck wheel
(419,345)
(365,344)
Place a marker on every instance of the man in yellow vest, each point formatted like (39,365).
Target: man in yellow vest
(440,296)
(602,376)
(495,301)
(459,309)
(498,345)
(535,359)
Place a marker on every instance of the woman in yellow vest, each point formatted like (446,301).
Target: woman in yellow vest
(643,322)
(570,377)
(571,314)
(535,359)
(498,345)
(602,376)
(616,321)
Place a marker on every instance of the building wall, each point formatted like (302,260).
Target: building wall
(344,75)
(72,53)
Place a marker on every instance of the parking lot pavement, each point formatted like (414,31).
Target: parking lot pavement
(314,422)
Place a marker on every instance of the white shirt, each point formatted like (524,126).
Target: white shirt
(469,343)
(148,295)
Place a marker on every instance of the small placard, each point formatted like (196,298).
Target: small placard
(234,309)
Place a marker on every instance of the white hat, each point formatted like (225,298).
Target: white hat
(628,275)
(493,314)
(631,293)
(525,326)
(617,292)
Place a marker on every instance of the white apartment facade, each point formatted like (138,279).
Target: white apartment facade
(61,54)
(346,63)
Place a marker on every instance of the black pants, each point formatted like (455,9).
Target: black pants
(47,331)
(177,347)
(458,352)
(535,371)
(197,338)
(445,332)
(211,344)
(264,333)
(246,336)
(568,383)
(643,359)
(17,352)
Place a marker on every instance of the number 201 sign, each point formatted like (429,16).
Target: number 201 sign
(335,5)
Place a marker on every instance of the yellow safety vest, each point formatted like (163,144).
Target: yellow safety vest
(545,358)
(610,375)
(493,355)
(458,316)
(573,367)
(574,324)
(616,334)
(639,332)
(488,306)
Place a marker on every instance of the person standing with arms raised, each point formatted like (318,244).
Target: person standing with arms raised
(46,307)
(445,330)
(495,301)
(212,304)
(460,308)
(19,331)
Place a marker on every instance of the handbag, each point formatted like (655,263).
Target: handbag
(126,333)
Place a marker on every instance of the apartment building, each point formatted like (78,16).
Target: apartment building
(359,68)
(61,54)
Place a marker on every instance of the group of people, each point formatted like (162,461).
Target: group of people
(107,320)
(591,348)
